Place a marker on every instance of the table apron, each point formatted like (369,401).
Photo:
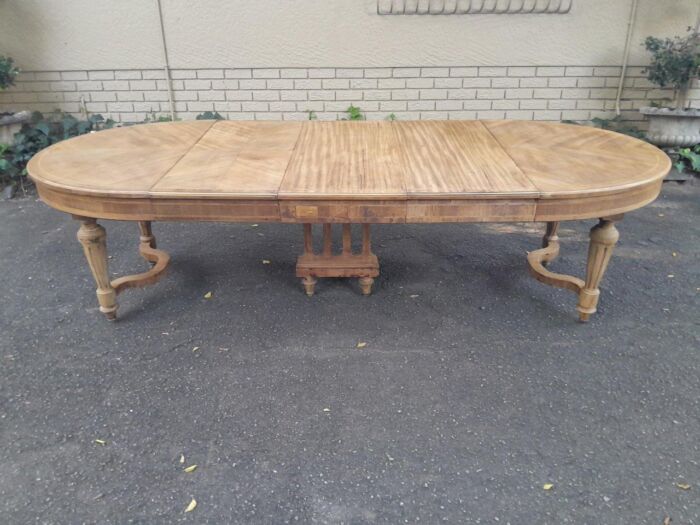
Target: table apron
(541,209)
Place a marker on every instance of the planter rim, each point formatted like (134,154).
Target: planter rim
(16,118)
(669,112)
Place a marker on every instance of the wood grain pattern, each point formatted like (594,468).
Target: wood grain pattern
(567,159)
(471,210)
(456,159)
(345,160)
(326,211)
(234,159)
(369,172)
(123,161)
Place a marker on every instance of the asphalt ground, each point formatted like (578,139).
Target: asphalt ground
(476,387)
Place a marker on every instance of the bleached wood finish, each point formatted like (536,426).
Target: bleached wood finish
(234,159)
(564,160)
(458,158)
(94,240)
(603,237)
(345,160)
(350,172)
(363,265)
(147,249)
(379,171)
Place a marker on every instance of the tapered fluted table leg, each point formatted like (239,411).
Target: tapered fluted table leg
(603,237)
(94,240)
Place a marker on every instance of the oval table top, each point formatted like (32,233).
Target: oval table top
(413,171)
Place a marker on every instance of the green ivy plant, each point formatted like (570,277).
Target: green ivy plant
(209,115)
(4,163)
(354,113)
(154,117)
(674,63)
(688,159)
(8,72)
(619,125)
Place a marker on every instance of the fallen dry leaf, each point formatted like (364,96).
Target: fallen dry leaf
(191,506)
(548,486)
(100,442)
(191,468)
(361,345)
(265,261)
(683,486)
(667,520)
(182,458)
(208,295)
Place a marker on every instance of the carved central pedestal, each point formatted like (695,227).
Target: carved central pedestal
(363,265)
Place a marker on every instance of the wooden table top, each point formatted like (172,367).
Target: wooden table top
(448,163)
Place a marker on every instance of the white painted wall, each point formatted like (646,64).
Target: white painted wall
(46,35)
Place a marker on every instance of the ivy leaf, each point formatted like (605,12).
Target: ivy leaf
(84,127)
(43,127)
(694,161)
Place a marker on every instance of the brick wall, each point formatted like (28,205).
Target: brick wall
(540,93)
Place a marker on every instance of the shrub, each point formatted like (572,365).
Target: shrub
(674,63)
(8,72)
(209,115)
(354,113)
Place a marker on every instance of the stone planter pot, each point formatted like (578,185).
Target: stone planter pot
(11,124)
(678,128)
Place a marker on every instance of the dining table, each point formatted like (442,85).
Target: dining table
(337,174)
